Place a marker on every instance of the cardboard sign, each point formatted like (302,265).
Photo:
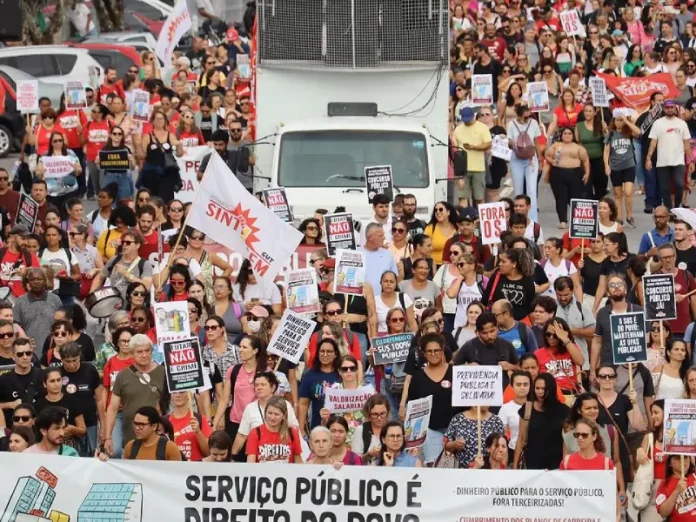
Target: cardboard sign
(493,222)
(291,337)
(653,115)
(27,212)
(183,365)
(500,147)
(349,276)
(302,291)
(75,95)
(58,166)
(114,160)
(171,321)
(338,400)
(584,219)
(660,301)
(417,421)
(679,426)
(628,338)
(339,232)
(477,386)
(538,96)
(598,87)
(277,201)
(482,89)
(140,107)
(27,96)
(392,348)
(379,180)
(572,25)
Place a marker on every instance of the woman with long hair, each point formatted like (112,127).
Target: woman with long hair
(389,299)
(55,396)
(65,266)
(590,269)
(513,280)
(311,228)
(214,81)
(461,434)
(421,248)
(177,287)
(620,164)
(340,450)
(119,117)
(589,133)
(159,173)
(122,360)
(674,492)
(561,357)
(62,332)
(565,55)
(323,373)
(220,447)
(540,441)
(197,292)
(120,177)
(555,266)
(467,287)
(496,453)
(423,292)
(669,377)
(591,450)
(175,215)
(467,331)
(219,351)
(389,378)
(393,451)
(400,246)
(348,370)
(253,291)
(686,92)
(635,272)
(208,261)
(72,122)
(657,341)
(40,136)
(507,106)
(20,439)
(94,137)
(366,440)
(226,307)
(188,133)
(565,115)
(608,213)
(62,188)
(444,279)
(442,226)
(275,440)
(652,449)
(671,59)
(634,60)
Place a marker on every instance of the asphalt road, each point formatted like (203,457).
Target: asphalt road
(547,211)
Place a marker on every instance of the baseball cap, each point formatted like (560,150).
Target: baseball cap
(670,103)
(19,230)
(467,214)
(467,114)
(258,311)
(617,32)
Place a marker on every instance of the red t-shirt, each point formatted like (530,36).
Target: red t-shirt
(570,244)
(268,447)
(43,137)
(577,463)
(660,461)
(567,118)
(69,120)
(683,284)
(685,509)
(191,139)
(186,439)
(149,246)
(481,253)
(8,264)
(105,90)
(353,349)
(111,369)
(96,133)
(560,365)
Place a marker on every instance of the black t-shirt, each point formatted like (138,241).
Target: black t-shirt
(520,293)
(415,227)
(620,267)
(689,106)
(644,137)
(498,166)
(688,258)
(81,386)
(492,68)
(590,276)
(475,351)
(421,386)
(85,342)
(207,129)
(70,403)
(415,361)
(26,388)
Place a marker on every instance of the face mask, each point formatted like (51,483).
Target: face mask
(253,326)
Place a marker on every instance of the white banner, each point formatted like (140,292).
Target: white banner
(171,321)
(58,488)
(189,164)
(27,96)
(572,26)
(338,400)
(178,23)
(226,212)
(477,386)
(58,166)
(482,89)
(493,222)
(292,336)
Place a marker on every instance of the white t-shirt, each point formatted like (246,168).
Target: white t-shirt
(99,224)
(529,233)
(61,261)
(510,415)
(383,310)
(253,417)
(466,295)
(564,268)
(266,293)
(670,134)
(444,279)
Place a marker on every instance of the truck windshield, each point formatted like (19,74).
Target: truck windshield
(338,158)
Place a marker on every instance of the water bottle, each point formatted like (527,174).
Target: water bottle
(557,156)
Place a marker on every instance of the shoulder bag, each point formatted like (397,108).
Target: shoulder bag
(644,479)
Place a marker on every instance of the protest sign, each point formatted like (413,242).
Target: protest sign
(75,95)
(652,117)
(660,301)
(291,336)
(171,321)
(392,348)
(538,96)
(189,164)
(183,365)
(349,276)
(680,427)
(27,212)
(379,180)
(598,87)
(115,160)
(572,26)
(302,291)
(493,222)
(27,96)
(56,488)
(140,106)
(584,219)
(277,201)
(500,147)
(58,166)
(628,337)
(482,89)
(477,386)
(417,421)
(338,400)
(339,232)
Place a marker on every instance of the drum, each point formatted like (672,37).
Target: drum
(104,302)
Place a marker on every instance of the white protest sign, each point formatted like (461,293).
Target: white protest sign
(338,400)
(58,166)
(598,87)
(171,321)
(349,276)
(482,89)
(291,337)
(189,164)
(140,105)
(538,96)
(477,386)
(302,291)
(572,25)
(27,96)
(417,421)
(500,147)
(493,222)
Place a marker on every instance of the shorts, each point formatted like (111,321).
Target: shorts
(474,182)
(619,177)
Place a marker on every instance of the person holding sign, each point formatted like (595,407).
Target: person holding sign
(40,136)
(113,171)
(60,176)
(463,434)
(393,451)
(675,494)
(684,285)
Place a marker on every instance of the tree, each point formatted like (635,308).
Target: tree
(34,28)
(109,14)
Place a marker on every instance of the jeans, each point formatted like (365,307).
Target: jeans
(87,445)
(640,167)
(652,187)
(117,436)
(81,180)
(93,184)
(122,180)
(525,171)
(393,399)
(675,174)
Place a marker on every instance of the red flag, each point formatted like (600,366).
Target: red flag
(635,92)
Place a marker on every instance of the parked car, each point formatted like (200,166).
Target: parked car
(118,56)
(52,91)
(126,37)
(53,63)
(12,122)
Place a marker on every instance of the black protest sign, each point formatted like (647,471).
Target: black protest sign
(379,180)
(628,338)
(27,212)
(660,302)
(339,232)
(584,219)
(392,348)
(277,201)
(114,160)
(183,364)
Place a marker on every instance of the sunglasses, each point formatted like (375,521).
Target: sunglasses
(397,230)
(60,334)
(550,335)
(4,178)
(312,229)
(139,319)
(348,369)
(607,376)
(175,282)
(73,234)
(197,238)
(460,265)
(114,134)
(440,209)
(581,435)
(139,293)
(56,141)
(24,354)
(177,209)
(211,327)
(128,242)
(333,313)
(235,131)
(397,320)
(8,335)
(21,418)
(455,253)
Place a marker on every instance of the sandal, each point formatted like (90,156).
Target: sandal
(562,226)
(638,192)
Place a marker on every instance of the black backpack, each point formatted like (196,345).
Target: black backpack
(366,436)
(160,453)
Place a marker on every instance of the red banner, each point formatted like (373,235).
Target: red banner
(635,92)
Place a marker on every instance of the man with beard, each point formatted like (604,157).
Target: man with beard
(15,259)
(600,350)
(686,252)
(683,284)
(146,225)
(415,225)
(51,423)
(110,85)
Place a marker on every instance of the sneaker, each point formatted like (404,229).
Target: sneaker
(631,223)
(648,209)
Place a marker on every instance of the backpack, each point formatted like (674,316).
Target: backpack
(366,436)
(537,231)
(160,452)
(522,332)
(524,145)
(93,216)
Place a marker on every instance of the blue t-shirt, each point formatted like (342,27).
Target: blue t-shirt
(376,263)
(312,387)
(513,336)
(646,244)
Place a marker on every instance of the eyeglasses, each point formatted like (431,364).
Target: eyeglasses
(177,282)
(139,319)
(616,285)
(127,242)
(4,178)
(550,335)
(326,353)
(60,334)
(333,313)
(398,230)
(433,352)
(73,234)
(197,238)
(24,354)
(581,435)
(394,436)
(139,293)
(607,376)
(348,369)
(7,335)
(140,425)
(211,327)
(124,341)
(21,418)
(176,209)
(379,415)
(397,320)
(312,229)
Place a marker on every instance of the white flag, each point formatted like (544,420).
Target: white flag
(225,211)
(178,23)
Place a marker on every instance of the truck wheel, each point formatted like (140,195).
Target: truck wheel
(5,141)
